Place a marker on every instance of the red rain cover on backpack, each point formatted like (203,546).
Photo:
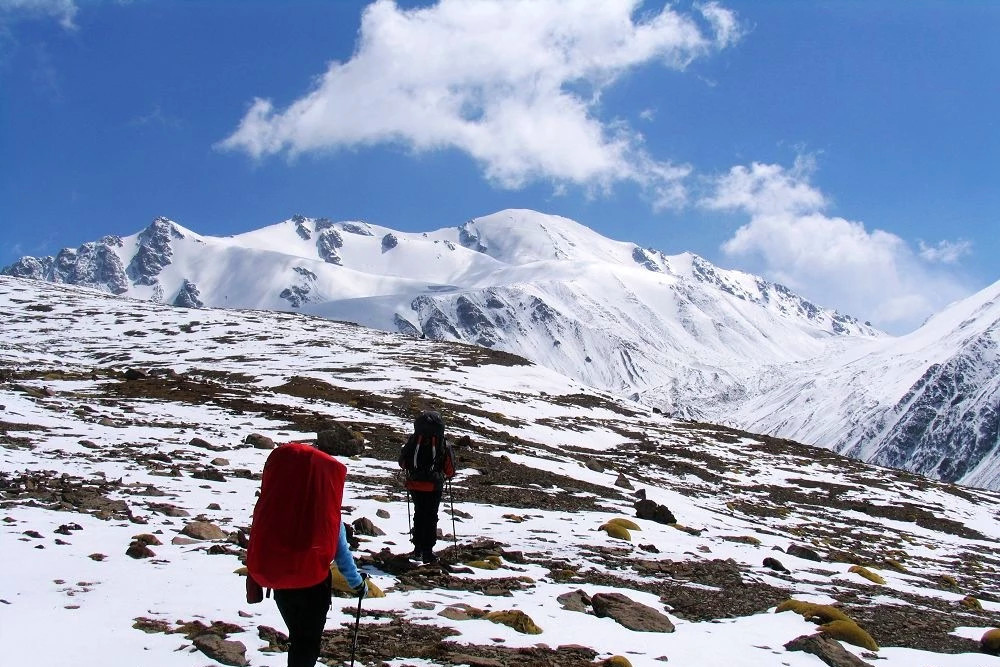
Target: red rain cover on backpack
(296,522)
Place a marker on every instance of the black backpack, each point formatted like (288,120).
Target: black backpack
(424,453)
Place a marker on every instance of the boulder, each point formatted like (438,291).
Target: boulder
(222,650)
(651,511)
(775,564)
(629,613)
(259,441)
(623,483)
(364,526)
(139,550)
(803,552)
(338,440)
(204,530)
(826,649)
(574,601)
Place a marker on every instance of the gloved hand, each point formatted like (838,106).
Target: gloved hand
(361,590)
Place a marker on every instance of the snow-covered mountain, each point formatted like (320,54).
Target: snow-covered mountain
(675,332)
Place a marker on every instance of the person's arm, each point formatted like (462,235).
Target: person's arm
(345,561)
(449,461)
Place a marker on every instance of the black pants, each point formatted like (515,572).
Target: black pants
(304,612)
(425,518)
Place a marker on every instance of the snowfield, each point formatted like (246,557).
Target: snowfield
(124,422)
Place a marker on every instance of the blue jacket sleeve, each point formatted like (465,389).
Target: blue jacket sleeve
(345,561)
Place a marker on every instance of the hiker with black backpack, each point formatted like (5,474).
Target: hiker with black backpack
(296,533)
(428,461)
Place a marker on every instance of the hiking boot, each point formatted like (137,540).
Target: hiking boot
(417,554)
(429,557)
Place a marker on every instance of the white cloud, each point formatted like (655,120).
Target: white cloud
(63,10)
(945,252)
(874,275)
(499,80)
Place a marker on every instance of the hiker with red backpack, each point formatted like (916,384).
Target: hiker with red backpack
(296,533)
(428,461)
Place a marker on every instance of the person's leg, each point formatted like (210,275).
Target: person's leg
(304,612)
(427,535)
(420,518)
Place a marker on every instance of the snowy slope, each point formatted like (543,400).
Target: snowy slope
(928,402)
(674,332)
(126,422)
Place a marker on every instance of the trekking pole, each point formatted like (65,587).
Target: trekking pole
(451,496)
(409,526)
(357,623)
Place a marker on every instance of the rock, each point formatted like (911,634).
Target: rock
(139,550)
(219,462)
(222,650)
(461,612)
(364,526)
(574,601)
(826,649)
(148,539)
(990,642)
(204,530)
(338,440)
(623,483)
(516,619)
(775,564)
(135,374)
(203,444)
(210,474)
(617,661)
(803,552)
(259,441)
(214,506)
(594,465)
(651,511)
(473,660)
(629,613)
(382,514)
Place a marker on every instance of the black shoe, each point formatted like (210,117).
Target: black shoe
(416,554)
(429,557)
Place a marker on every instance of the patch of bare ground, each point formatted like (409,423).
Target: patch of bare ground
(924,623)
(63,492)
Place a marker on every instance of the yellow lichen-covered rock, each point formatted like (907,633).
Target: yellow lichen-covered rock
(617,661)
(896,565)
(616,531)
(817,613)
(971,603)
(516,619)
(867,574)
(990,643)
(625,523)
(950,580)
(483,564)
(850,632)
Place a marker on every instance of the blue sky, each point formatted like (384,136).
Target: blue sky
(846,149)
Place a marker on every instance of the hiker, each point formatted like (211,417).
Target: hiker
(428,460)
(296,532)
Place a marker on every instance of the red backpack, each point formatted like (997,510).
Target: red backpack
(296,521)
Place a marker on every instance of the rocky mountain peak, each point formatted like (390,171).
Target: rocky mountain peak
(154,251)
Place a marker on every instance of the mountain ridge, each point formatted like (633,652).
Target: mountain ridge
(672,331)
